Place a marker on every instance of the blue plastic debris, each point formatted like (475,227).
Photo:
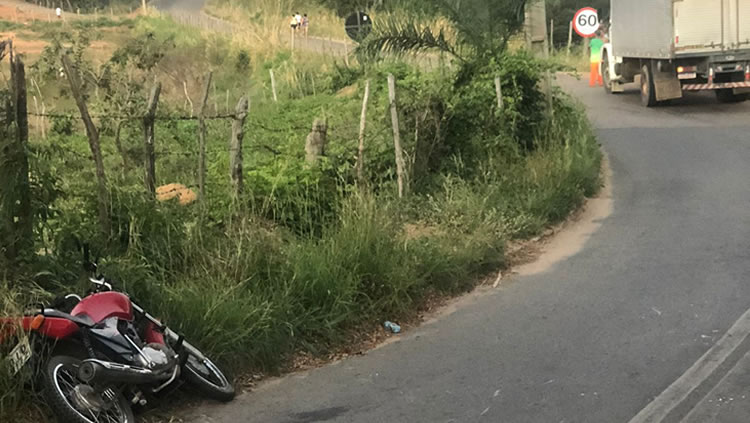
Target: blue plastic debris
(392,327)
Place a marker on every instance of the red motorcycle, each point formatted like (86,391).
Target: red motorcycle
(107,354)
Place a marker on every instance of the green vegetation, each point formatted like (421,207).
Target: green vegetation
(269,19)
(89,5)
(562,12)
(304,256)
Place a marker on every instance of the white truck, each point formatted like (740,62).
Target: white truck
(673,46)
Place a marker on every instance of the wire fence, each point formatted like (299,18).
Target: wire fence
(177,150)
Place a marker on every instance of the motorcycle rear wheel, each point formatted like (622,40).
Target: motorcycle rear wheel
(74,401)
(208,378)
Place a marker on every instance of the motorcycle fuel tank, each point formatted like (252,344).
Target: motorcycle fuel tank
(104,305)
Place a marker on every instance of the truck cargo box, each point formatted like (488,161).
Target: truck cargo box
(665,29)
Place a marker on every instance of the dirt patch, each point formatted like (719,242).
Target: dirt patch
(25,13)
(24,46)
(36,47)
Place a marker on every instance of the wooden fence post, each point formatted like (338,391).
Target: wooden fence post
(16,226)
(551,36)
(216,102)
(362,124)
(315,145)
(187,96)
(273,86)
(570,38)
(202,139)
(547,75)
(41,120)
(148,129)
(396,135)
(235,145)
(93,135)
(499,93)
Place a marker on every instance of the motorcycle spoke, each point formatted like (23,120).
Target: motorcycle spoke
(113,419)
(91,413)
(68,381)
(67,378)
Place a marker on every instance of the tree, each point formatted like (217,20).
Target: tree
(476,28)
(562,12)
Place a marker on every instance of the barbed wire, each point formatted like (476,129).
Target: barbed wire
(125,117)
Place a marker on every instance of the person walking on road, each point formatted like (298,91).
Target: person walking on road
(298,18)
(293,23)
(305,24)
(596,45)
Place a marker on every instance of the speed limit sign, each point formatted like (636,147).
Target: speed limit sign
(586,22)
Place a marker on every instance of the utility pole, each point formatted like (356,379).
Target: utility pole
(537,39)
(536,33)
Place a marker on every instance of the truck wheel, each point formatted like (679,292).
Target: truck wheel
(648,92)
(728,96)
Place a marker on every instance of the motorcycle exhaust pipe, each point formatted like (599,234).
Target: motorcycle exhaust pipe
(98,371)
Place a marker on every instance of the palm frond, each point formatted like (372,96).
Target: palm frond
(401,36)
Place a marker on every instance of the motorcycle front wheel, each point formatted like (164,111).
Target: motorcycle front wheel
(74,401)
(207,378)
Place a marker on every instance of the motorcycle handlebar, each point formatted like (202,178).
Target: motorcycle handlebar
(101,284)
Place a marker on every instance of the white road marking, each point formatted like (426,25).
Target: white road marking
(673,396)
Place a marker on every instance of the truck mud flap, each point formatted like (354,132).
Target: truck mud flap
(666,83)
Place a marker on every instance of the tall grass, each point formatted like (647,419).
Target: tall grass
(274,292)
(270,18)
(17,390)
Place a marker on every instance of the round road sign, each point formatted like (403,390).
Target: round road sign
(586,22)
(358,25)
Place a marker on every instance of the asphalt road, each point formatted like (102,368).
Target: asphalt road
(599,335)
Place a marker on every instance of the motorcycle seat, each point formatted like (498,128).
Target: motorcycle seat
(80,320)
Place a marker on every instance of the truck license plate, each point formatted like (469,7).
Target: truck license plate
(19,355)
(691,75)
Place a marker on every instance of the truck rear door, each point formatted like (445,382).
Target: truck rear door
(703,26)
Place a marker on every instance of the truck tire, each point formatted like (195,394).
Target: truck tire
(728,96)
(648,92)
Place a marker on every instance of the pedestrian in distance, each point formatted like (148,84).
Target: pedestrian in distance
(305,24)
(596,46)
(298,18)
(293,23)
(58,12)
